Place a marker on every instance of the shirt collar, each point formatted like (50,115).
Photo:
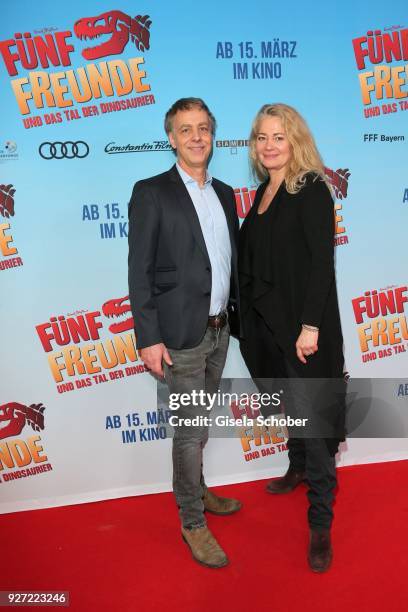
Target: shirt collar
(187,179)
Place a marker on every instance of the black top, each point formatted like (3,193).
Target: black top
(257,241)
(286,272)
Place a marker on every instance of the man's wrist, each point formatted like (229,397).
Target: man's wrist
(311,328)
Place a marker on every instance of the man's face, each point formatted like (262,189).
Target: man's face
(192,138)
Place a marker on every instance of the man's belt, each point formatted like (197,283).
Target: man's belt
(218,321)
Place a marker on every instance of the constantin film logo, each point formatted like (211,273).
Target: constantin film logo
(156,146)
(82,353)
(60,91)
(8,251)
(17,453)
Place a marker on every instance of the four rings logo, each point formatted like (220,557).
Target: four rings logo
(61,150)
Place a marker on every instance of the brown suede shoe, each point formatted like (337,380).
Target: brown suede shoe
(320,551)
(287,483)
(204,547)
(220,505)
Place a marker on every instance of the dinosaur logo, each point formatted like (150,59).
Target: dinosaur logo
(16,416)
(116,308)
(120,26)
(7,200)
(339,181)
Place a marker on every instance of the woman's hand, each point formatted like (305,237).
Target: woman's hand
(306,344)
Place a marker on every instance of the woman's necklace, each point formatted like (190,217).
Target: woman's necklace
(272,188)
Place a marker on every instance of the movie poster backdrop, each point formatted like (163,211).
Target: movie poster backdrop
(84,91)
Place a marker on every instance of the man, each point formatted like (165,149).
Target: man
(183,231)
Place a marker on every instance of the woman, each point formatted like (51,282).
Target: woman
(290,317)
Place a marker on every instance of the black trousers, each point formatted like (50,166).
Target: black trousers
(264,357)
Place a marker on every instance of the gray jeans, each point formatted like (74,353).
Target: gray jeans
(196,369)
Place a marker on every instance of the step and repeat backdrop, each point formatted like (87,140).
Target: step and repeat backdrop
(84,89)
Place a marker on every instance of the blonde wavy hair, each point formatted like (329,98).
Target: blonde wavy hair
(305,156)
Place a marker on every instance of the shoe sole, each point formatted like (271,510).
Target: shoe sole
(202,562)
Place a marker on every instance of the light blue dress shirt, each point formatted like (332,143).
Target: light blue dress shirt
(216,237)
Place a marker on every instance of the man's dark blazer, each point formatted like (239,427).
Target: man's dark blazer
(169,267)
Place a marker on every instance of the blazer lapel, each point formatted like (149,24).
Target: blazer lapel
(186,203)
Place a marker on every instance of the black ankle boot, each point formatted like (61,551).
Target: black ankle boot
(320,551)
(287,483)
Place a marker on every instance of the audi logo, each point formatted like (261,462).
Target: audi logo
(61,150)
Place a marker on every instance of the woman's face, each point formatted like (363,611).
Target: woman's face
(271,145)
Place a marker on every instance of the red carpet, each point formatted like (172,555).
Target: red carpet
(127,554)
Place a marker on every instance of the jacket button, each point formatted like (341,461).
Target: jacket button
(208,269)
(207,293)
